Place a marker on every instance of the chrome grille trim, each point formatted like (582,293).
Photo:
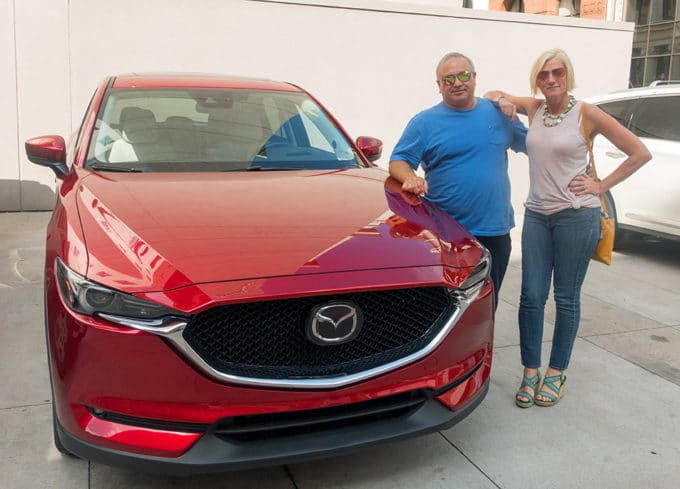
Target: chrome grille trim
(174,335)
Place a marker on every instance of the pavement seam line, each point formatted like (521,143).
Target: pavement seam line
(656,374)
(469,460)
(598,335)
(289,473)
(44,403)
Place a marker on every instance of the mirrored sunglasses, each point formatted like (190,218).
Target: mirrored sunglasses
(463,76)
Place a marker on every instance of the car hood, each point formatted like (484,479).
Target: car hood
(162,231)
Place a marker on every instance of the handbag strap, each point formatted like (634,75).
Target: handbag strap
(584,123)
(586,133)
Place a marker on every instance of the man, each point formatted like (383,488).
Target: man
(462,145)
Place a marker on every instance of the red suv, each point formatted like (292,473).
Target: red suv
(230,282)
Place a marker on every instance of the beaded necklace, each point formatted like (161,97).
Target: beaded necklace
(550,120)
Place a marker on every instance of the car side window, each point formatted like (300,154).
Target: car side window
(619,110)
(657,117)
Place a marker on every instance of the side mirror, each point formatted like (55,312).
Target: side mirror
(370,147)
(49,151)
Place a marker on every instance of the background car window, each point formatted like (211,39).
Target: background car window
(619,110)
(657,117)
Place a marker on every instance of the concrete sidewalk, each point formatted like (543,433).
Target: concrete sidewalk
(617,427)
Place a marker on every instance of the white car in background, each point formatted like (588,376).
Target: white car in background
(648,201)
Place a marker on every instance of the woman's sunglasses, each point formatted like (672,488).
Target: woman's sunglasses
(556,73)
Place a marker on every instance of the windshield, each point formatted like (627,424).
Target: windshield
(190,130)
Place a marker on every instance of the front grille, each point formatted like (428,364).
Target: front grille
(267,339)
(276,425)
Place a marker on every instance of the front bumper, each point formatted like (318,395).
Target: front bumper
(212,453)
(97,367)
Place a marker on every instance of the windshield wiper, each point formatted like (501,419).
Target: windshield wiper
(274,168)
(261,168)
(115,168)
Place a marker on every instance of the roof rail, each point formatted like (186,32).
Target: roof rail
(656,83)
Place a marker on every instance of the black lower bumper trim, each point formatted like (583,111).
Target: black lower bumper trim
(214,454)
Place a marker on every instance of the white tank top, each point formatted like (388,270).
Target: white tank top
(556,155)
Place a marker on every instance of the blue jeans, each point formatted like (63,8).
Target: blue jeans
(557,246)
(499,248)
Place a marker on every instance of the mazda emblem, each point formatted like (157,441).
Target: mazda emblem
(334,322)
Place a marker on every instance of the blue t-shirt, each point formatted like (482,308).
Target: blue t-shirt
(464,155)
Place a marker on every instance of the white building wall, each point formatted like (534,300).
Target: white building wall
(10,192)
(42,88)
(371,62)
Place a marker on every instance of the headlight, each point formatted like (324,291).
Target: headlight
(86,297)
(473,284)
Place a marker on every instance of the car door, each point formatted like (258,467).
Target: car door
(648,200)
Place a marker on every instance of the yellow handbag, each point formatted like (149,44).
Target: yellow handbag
(603,252)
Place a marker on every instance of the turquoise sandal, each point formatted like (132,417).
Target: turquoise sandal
(531,382)
(557,392)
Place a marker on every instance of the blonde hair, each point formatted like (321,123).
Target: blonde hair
(560,56)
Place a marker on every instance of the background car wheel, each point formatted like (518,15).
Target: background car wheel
(619,234)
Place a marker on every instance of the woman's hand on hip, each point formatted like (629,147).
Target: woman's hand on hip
(585,184)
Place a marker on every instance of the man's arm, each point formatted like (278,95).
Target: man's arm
(410,182)
(409,148)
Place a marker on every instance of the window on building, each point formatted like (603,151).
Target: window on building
(656,41)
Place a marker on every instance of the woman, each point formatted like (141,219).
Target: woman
(562,218)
